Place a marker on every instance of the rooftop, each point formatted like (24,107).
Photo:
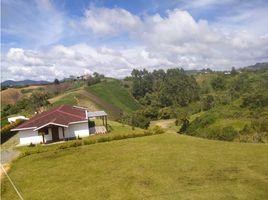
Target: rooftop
(60,116)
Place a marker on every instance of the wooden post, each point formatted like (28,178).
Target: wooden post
(102,120)
(43,137)
(106,125)
(63,134)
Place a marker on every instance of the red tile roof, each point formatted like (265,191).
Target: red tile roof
(62,115)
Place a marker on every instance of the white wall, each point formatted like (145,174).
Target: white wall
(79,129)
(29,136)
(49,136)
(73,131)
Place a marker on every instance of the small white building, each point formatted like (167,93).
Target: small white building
(13,119)
(61,123)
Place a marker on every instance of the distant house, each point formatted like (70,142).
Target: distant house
(13,119)
(60,123)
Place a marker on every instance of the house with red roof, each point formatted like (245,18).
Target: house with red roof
(60,123)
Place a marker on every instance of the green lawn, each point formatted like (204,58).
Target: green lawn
(167,166)
(113,93)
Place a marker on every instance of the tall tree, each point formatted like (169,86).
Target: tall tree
(56,82)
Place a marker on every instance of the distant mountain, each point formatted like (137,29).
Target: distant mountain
(258,66)
(10,83)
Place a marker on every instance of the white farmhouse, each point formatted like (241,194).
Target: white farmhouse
(60,123)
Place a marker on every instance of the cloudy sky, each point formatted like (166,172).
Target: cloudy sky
(47,39)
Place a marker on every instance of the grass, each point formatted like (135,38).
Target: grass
(238,124)
(113,93)
(167,124)
(167,166)
(115,129)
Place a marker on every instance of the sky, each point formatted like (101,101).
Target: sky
(48,39)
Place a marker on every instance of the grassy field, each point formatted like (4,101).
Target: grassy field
(115,94)
(167,166)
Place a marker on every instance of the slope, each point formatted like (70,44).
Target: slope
(167,166)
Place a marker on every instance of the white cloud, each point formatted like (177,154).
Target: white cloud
(173,40)
(109,22)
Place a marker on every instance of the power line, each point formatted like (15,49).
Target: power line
(15,188)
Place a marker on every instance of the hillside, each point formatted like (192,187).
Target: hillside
(12,95)
(11,83)
(114,93)
(211,105)
(167,166)
(108,95)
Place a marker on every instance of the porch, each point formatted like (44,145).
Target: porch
(52,133)
(97,122)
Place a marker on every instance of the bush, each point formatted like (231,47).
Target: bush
(75,144)
(165,113)
(185,125)
(218,83)
(88,142)
(31,145)
(139,120)
(201,122)
(208,102)
(154,131)
(91,124)
(227,134)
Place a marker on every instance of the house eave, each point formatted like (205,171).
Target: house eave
(21,129)
(50,123)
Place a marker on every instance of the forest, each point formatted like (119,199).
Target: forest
(216,105)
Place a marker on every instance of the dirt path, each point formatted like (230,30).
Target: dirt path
(8,155)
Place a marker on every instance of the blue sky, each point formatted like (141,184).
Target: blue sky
(45,39)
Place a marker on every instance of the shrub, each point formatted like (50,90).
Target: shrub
(91,124)
(158,130)
(228,134)
(88,142)
(208,102)
(63,146)
(153,131)
(201,122)
(218,83)
(75,144)
(165,113)
(139,120)
(103,139)
(31,145)
(185,125)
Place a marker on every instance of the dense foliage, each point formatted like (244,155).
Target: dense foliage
(228,105)
(161,93)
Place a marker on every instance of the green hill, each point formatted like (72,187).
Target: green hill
(115,94)
(108,95)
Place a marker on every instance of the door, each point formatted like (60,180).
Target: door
(55,134)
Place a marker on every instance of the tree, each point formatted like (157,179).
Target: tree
(139,120)
(208,102)
(56,82)
(218,83)
(233,71)
(185,125)
(39,99)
